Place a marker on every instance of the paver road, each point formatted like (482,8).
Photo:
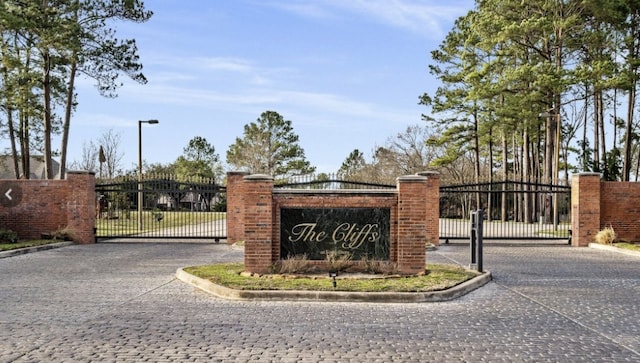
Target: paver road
(120,302)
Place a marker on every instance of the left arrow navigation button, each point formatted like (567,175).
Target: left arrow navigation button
(11,194)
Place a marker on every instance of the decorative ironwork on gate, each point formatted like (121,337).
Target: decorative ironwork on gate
(161,207)
(327,181)
(512,210)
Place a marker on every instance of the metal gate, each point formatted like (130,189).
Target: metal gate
(512,210)
(161,207)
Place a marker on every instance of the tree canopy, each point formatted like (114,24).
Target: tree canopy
(269,146)
(45,45)
(521,81)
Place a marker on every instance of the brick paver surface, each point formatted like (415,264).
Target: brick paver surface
(120,303)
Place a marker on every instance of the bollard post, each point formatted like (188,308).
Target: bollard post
(476,240)
(479,233)
(472,242)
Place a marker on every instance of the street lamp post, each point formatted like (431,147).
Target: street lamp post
(140,194)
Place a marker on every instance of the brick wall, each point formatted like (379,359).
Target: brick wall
(596,204)
(255,219)
(620,209)
(235,206)
(258,222)
(36,207)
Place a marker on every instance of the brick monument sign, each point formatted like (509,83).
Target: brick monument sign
(388,225)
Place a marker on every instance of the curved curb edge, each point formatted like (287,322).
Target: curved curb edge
(599,246)
(22,251)
(336,296)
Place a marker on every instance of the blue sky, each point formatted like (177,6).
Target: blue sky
(347,73)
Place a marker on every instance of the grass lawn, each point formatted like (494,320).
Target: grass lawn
(438,277)
(126,222)
(23,244)
(628,246)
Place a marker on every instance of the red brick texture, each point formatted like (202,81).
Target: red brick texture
(414,208)
(258,223)
(46,206)
(620,209)
(585,208)
(597,204)
(235,206)
(412,223)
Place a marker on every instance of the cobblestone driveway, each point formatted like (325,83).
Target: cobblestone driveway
(121,303)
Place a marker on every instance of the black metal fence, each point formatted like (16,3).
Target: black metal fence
(161,207)
(327,181)
(165,207)
(512,210)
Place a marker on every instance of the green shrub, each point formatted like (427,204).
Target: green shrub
(8,236)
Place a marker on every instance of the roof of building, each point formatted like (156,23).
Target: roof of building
(36,166)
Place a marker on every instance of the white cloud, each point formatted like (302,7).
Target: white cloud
(430,18)
(222,64)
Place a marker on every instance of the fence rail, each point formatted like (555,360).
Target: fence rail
(196,208)
(512,210)
(170,208)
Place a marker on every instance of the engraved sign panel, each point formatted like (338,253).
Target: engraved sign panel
(361,232)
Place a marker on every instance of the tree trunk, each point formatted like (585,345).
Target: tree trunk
(603,142)
(626,163)
(46,91)
(505,178)
(476,151)
(67,118)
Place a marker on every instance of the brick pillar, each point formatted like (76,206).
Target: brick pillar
(412,223)
(432,202)
(585,208)
(258,222)
(81,205)
(235,206)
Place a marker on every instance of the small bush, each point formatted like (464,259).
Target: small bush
(298,264)
(606,236)
(379,267)
(338,261)
(8,236)
(64,234)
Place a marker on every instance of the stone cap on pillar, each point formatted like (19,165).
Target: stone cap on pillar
(588,173)
(411,179)
(429,174)
(258,177)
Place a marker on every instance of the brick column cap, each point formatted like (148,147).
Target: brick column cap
(429,174)
(412,179)
(80,172)
(587,174)
(258,177)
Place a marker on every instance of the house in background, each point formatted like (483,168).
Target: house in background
(36,164)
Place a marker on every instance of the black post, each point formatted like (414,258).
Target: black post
(479,237)
(476,240)
(474,224)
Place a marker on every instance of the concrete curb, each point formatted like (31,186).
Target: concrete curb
(22,251)
(336,296)
(602,247)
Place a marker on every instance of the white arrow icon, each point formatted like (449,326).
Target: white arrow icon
(8,194)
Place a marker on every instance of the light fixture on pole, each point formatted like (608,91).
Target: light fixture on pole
(140,194)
